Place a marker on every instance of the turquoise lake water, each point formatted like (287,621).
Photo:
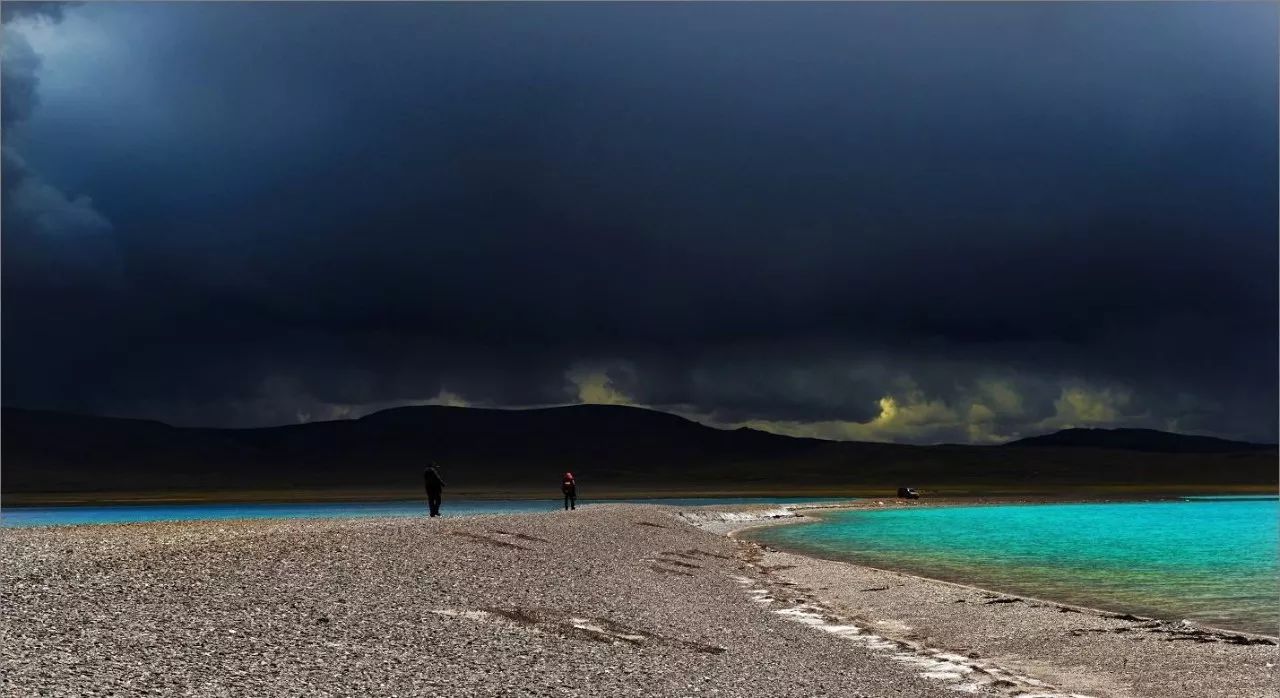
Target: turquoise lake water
(1213,560)
(137,513)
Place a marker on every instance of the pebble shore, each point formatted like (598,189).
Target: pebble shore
(1003,639)
(608,600)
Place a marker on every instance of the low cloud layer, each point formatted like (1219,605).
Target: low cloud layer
(918,223)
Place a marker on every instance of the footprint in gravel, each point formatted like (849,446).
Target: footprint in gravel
(488,540)
(705,553)
(521,536)
(664,570)
(579,627)
(606,630)
(678,563)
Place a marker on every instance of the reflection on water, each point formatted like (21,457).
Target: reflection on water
(1211,560)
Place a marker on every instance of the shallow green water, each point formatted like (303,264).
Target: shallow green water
(1213,561)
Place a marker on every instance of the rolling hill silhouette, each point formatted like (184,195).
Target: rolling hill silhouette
(1150,440)
(608,446)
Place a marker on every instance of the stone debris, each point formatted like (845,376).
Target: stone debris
(558,604)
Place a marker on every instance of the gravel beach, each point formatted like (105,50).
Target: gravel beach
(609,600)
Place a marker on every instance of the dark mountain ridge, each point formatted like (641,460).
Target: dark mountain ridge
(609,446)
(1139,440)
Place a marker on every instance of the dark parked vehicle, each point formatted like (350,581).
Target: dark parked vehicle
(908,493)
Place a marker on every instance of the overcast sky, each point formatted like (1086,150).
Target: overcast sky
(905,222)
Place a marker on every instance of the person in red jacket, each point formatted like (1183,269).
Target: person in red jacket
(570,488)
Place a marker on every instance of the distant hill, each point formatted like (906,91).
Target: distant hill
(1150,440)
(504,450)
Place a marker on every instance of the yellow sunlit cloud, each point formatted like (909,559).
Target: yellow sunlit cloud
(594,387)
(448,399)
(1081,406)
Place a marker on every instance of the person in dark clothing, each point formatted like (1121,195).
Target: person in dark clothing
(570,488)
(434,487)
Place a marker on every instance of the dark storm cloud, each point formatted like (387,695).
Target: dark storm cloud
(19,72)
(766,214)
(22,8)
(20,62)
(50,238)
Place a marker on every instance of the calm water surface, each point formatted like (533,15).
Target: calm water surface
(135,513)
(1211,560)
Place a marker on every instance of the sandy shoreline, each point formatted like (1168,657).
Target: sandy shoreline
(1087,650)
(609,600)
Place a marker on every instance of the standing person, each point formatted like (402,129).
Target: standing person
(434,487)
(570,488)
